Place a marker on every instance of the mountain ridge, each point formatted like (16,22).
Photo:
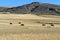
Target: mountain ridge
(35,8)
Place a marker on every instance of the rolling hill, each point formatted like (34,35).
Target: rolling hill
(34,8)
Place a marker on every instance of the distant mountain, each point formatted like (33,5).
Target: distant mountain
(35,8)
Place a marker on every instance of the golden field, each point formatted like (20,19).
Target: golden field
(32,30)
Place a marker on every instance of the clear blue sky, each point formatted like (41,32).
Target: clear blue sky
(22,2)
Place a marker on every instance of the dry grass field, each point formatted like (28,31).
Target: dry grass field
(24,33)
(11,28)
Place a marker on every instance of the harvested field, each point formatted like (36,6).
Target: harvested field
(29,27)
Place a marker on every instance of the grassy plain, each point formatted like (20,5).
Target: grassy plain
(31,29)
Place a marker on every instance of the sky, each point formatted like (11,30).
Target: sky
(22,2)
